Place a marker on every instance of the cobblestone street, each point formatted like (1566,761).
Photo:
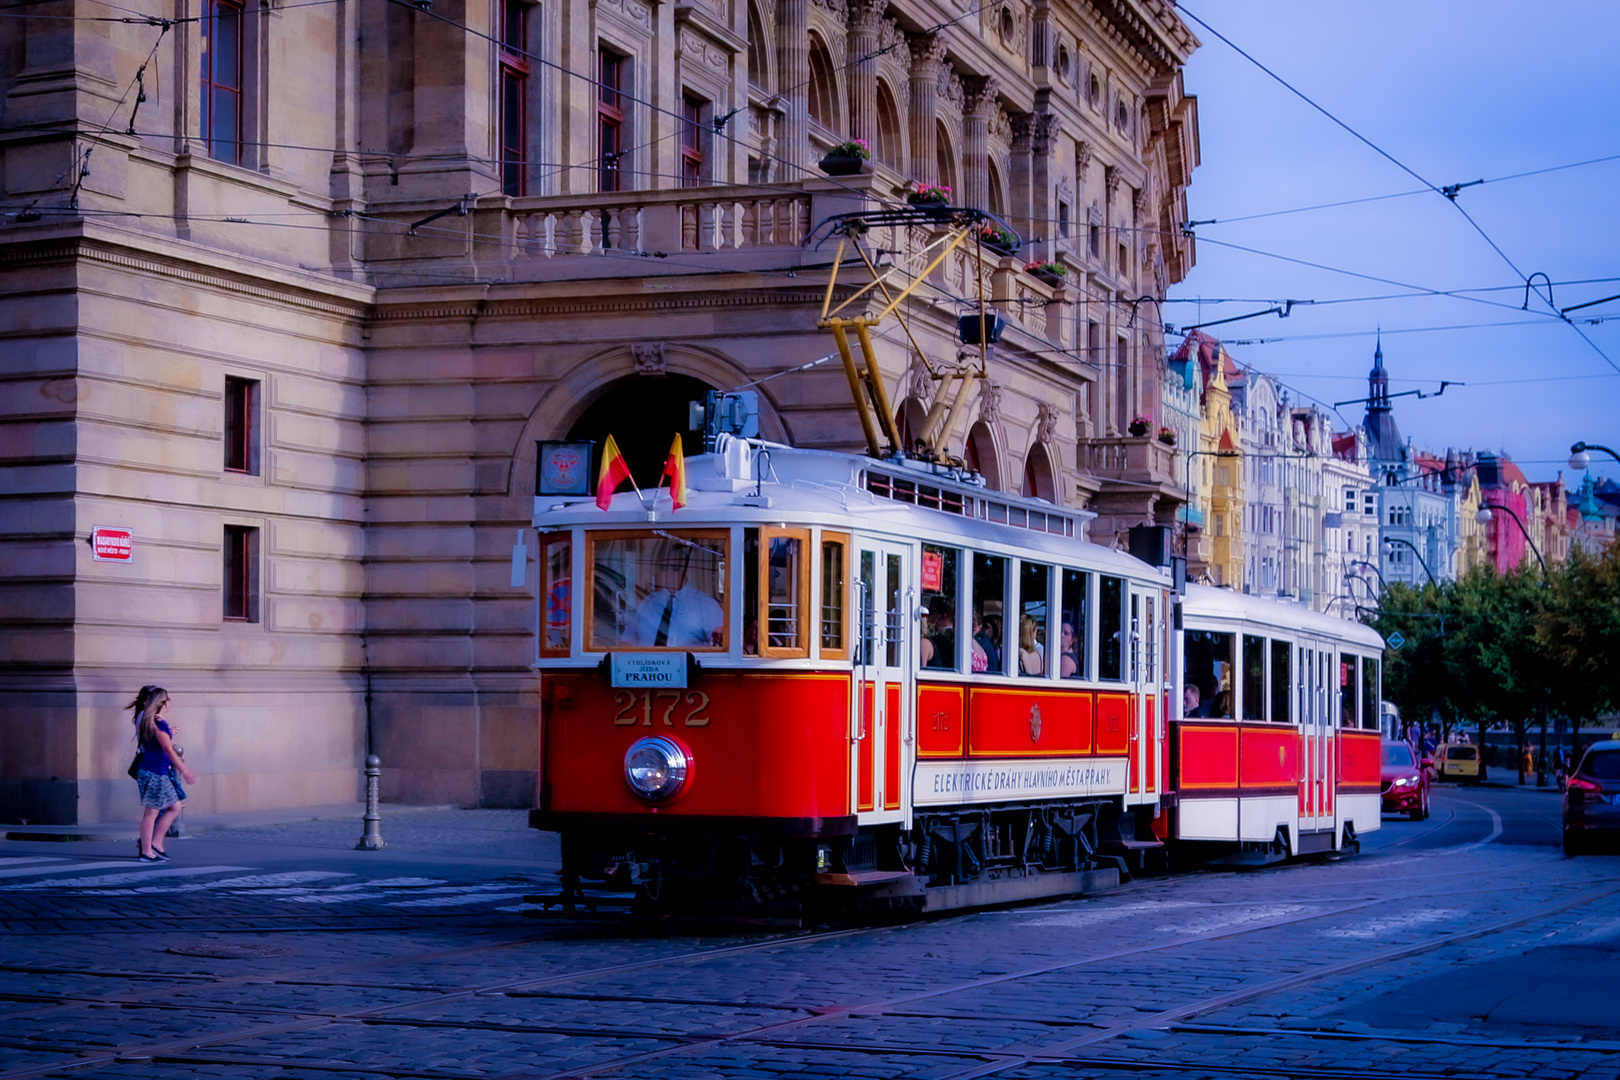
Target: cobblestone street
(1465,946)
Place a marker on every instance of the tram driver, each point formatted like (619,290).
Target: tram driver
(677,614)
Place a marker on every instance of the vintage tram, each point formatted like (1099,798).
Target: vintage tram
(832,681)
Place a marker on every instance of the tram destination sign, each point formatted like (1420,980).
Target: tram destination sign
(639,671)
(1002,781)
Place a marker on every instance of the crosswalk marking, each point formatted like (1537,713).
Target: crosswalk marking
(27,871)
(18,861)
(122,879)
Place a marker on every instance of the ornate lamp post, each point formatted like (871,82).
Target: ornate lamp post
(1483,517)
(1580,460)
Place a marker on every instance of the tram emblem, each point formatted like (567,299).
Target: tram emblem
(1035,722)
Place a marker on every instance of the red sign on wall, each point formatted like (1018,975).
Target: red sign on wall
(109,543)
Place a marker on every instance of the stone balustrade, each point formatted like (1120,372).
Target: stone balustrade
(645,222)
(1139,459)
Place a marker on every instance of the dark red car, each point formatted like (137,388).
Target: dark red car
(1405,783)
(1592,798)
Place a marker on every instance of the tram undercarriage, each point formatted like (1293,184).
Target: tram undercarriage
(961,859)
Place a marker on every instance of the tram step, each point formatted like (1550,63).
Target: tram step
(863,877)
(1016,889)
(1123,844)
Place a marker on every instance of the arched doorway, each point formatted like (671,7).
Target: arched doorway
(643,414)
(1038,475)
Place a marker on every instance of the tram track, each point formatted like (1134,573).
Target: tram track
(195,1050)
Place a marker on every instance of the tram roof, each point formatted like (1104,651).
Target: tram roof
(1208,602)
(842,490)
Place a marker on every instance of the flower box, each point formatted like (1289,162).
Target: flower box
(929,195)
(1167,436)
(847,158)
(1139,426)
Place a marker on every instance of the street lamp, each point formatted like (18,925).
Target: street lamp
(1579,459)
(1483,517)
(1389,549)
(1382,584)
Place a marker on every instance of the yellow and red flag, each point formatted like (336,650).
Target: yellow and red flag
(613,473)
(675,469)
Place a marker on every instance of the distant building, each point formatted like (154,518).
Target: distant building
(1416,504)
(1349,524)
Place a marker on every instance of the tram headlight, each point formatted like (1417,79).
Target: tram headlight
(656,768)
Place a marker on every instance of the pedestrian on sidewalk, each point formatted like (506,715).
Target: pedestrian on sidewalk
(155,770)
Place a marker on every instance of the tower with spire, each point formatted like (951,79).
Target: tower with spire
(1384,443)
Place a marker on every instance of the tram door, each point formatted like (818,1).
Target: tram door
(1146,674)
(881,728)
(1316,731)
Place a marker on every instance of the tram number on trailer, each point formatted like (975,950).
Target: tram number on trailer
(640,705)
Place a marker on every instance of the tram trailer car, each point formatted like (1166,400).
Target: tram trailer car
(1277,745)
(831,683)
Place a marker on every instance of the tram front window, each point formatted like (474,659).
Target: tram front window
(989,604)
(939,647)
(658,591)
(1206,677)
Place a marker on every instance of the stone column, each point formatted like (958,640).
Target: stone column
(927,62)
(864,18)
(978,106)
(1020,165)
(1043,137)
(793,66)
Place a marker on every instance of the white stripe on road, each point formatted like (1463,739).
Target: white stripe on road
(27,871)
(456,901)
(256,885)
(31,859)
(1496,826)
(122,879)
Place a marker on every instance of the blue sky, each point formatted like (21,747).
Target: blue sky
(1457,92)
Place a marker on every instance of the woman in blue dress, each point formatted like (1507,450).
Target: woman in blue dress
(155,771)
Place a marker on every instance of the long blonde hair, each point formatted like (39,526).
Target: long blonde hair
(146,705)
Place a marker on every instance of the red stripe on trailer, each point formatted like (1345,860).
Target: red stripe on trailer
(940,732)
(1208,757)
(1023,723)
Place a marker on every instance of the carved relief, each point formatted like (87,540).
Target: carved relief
(633,12)
(989,402)
(1082,159)
(890,35)
(919,384)
(979,94)
(834,6)
(1043,132)
(1022,125)
(864,16)
(1138,204)
(1111,180)
(652,357)
(1046,419)
(1000,124)
(950,88)
(926,50)
(699,50)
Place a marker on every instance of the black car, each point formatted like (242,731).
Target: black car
(1592,798)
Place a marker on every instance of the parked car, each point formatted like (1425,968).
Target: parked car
(1459,762)
(1405,784)
(1592,798)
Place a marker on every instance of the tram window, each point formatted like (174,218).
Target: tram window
(1347,691)
(866,635)
(556,593)
(1110,627)
(1207,672)
(786,591)
(941,567)
(894,627)
(661,590)
(750,596)
(1281,698)
(1369,693)
(989,603)
(1032,618)
(1072,632)
(1254,676)
(834,585)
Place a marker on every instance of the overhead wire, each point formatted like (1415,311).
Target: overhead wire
(1449,193)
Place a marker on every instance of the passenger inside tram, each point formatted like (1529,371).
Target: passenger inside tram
(1029,649)
(939,644)
(1207,670)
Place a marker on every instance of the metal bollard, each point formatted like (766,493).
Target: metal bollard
(371,839)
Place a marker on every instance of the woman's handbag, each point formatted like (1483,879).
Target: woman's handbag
(135,766)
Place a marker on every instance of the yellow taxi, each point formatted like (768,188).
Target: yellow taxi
(1459,762)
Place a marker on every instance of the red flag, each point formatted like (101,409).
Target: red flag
(675,469)
(613,473)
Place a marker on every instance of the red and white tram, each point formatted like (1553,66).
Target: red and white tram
(831,680)
(1277,747)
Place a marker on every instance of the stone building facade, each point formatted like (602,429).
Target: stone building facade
(290,292)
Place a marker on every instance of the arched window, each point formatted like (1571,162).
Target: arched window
(759,63)
(998,198)
(886,147)
(947,163)
(823,90)
(1038,475)
(909,419)
(981,455)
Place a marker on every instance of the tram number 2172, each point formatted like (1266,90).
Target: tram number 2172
(640,705)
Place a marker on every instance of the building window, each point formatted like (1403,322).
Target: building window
(1094,241)
(1063,219)
(241,574)
(610,118)
(514,78)
(221,78)
(692,110)
(241,430)
(823,96)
